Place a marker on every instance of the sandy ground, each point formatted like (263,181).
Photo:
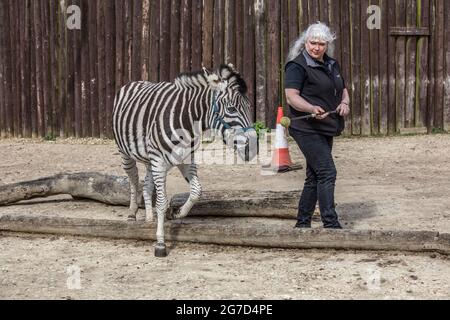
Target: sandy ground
(398,183)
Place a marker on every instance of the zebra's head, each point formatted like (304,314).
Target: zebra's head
(231,111)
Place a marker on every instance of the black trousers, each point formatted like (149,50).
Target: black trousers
(320,179)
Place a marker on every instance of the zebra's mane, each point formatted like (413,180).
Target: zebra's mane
(225,72)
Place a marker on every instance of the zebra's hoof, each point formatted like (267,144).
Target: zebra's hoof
(160,250)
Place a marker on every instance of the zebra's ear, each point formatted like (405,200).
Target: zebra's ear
(216,83)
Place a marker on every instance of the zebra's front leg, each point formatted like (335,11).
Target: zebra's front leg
(148,194)
(189,172)
(129,166)
(162,204)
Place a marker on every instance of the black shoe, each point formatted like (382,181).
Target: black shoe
(302,225)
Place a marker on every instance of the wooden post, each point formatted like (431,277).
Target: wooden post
(346,65)
(207,25)
(423,80)
(248,71)
(355,32)
(101,68)
(230,29)
(155,14)
(446,49)
(77,108)
(391,69)
(164,72)
(196,35)
(136,52)
(93,69)
(375,77)
(218,33)
(439,66)
(239,10)
(365,71)
(273,61)
(145,46)
(110,62)
(411,54)
(174,40)
(261,62)
(54,49)
(383,55)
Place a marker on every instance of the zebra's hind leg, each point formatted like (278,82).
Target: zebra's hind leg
(129,165)
(162,204)
(189,172)
(148,194)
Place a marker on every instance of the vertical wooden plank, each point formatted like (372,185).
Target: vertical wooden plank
(375,77)
(303,18)
(365,71)
(54,49)
(400,19)
(136,52)
(284,34)
(175,39)
(230,43)
(218,33)
(8,71)
(355,32)
(261,62)
(273,62)
(86,129)
(431,68)
(101,68)
(294,18)
(422,79)
(165,41)
(14,62)
(392,44)
(383,68)
(77,124)
(249,52)
(24,75)
(17,66)
(145,46)
(3,102)
(196,32)
(439,66)
(128,38)
(119,43)
(239,31)
(323,11)
(313,11)
(411,53)
(155,15)
(346,66)
(447,70)
(110,60)
(335,25)
(46,64)
(39,71)
(185,36)
(93,69)
(62,69)
(207,32)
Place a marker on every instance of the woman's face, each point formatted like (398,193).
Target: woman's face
(316,48)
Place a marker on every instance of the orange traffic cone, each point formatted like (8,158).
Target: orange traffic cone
(281,159)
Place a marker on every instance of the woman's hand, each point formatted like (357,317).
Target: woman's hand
(319,112)
(343,110)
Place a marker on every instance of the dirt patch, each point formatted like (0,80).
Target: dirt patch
(398,183)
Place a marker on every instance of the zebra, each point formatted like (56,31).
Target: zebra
(159,124)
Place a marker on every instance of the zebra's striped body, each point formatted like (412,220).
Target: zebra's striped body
(159,124)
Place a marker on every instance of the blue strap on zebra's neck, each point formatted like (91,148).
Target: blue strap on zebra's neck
(219,118)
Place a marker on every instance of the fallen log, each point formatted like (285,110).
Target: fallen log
(255,232)
(114,190)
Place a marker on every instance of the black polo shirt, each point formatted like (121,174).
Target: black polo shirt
(321,84)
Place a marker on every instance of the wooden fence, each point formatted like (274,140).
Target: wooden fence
(56,81)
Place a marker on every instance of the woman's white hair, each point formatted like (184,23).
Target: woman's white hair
(317,31)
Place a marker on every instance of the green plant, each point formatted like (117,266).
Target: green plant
(50,137)
(260,126)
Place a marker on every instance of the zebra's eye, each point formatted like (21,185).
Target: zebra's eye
(231,110)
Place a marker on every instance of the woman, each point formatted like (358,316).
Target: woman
(314,85)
